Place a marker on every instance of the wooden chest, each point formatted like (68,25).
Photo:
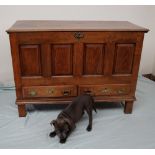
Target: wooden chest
(54,61)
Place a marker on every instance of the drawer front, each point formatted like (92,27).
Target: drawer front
(49,91)
(104,90)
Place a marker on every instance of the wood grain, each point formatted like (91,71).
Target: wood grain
(62,59)
(47,25)
(93,59)
(54,61)
(29,54)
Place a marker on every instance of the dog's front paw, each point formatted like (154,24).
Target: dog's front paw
(62,141)
(89,128)
(52,134)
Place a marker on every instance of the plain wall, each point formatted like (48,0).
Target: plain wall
(153,72)
(140,15)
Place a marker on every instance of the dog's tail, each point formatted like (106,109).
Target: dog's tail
(93,104)
(94,108)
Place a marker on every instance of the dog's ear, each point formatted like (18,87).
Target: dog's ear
(53,122)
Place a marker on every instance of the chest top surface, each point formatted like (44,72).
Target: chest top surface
(52,25)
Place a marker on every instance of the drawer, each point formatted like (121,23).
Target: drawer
(104,90)
(49,91)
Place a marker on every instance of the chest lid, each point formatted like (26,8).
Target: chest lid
(53,25)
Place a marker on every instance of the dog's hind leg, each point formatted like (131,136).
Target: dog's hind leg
(89,112)
(93,104)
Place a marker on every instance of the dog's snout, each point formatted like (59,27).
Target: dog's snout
(62,136)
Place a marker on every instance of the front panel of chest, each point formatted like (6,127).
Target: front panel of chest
(64,55)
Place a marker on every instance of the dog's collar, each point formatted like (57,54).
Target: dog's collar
(68,119)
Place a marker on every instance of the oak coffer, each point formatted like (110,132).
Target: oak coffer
(54,61)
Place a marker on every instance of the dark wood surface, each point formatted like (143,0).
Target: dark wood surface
(53,67)
(47,25)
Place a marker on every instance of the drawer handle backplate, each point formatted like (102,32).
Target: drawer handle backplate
(88,92)
(106,90)
(121,91)
(32,93)
(66,92)
(51,91)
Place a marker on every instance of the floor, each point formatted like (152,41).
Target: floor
(111,127)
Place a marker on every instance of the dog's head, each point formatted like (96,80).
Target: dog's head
(62,128)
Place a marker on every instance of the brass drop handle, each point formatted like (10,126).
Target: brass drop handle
(66,92)
(105,90)
(88,92)
(78,35)
(51,91)
(121,91)
(32,93)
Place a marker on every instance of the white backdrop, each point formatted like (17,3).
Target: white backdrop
(141,15)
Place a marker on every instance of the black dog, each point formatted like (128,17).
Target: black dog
(65,122)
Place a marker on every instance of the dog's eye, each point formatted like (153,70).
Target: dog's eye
(66,126)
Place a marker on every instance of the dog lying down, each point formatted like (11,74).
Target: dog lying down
(65,122)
